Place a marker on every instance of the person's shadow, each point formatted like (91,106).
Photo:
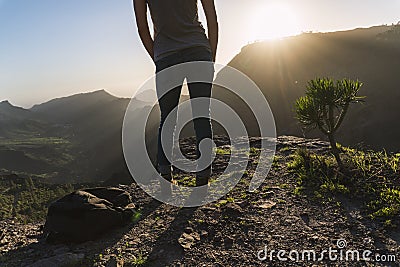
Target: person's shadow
(167,248)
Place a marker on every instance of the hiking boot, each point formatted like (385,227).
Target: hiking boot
(202,180)
(167,176)
(203,177)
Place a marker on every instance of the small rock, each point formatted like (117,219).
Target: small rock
(196,236)
(291,220)
(208,208)
(212,221)
(268,194)
(367,240)
(203,233)
(3,242)
(160,222)
(186,241)
(233,208)
(267,204)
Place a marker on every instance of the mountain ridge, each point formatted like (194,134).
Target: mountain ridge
(64,133)
(99,93)
(282,69)
(7,107)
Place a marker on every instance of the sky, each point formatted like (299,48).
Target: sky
(51,48)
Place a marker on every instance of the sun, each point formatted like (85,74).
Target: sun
(273,20)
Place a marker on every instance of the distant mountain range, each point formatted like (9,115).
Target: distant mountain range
(78,138)
(75,138)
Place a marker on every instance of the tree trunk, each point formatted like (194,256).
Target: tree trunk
(335,151)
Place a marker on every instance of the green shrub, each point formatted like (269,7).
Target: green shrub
(372,179)
(325,105)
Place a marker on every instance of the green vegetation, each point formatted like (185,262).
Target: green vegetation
(26,201)
(285,149)
(276,162)
(136,216)
(325,106)
(187,181)
(372,178)
(223,202)
(254,151)
(369,176)
(39,157)
(387,203)
(222,151)
(33,141)
(137,261)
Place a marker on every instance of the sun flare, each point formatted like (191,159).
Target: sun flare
(273,20)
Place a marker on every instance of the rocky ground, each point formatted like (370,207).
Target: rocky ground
(229,232)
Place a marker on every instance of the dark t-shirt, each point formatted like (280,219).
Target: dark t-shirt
(176,26)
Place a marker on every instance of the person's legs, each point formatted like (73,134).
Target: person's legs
(202,127)
(201,112)
(168,102)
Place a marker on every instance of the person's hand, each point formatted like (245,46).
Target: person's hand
(212,25)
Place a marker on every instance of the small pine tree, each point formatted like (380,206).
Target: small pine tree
(325,105)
